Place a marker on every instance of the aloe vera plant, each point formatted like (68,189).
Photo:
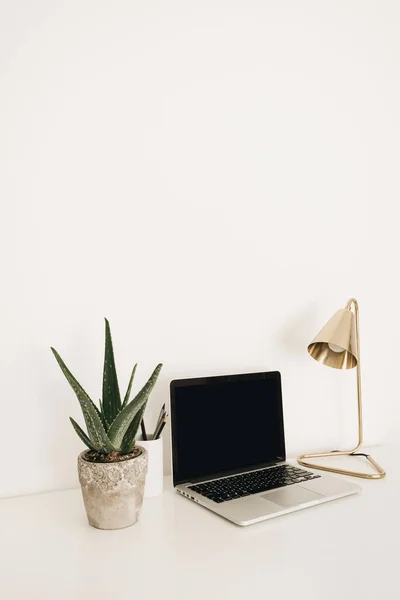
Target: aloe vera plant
(111,427)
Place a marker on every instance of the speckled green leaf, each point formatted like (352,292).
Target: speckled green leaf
(111,396)
(83,435)
(122,422)
(128,391)
(96,431)
(101,417)
(129,438)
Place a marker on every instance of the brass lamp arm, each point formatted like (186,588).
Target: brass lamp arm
(358,367)
(350,302)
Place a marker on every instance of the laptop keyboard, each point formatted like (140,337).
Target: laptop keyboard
(238,486)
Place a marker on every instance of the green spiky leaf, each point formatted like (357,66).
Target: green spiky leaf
(128,391)
(101,417)
(121,423)
(96,431)
(83,435)
(129,438)
(111,396)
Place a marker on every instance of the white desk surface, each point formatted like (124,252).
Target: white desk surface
(344,549)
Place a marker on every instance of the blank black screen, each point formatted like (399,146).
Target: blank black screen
(223,424)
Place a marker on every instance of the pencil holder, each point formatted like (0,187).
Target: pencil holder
(155,473)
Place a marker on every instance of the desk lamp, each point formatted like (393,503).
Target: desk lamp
(337,345)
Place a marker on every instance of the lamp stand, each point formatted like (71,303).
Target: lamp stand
(380,473)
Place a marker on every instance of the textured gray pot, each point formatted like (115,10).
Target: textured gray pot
(113,492)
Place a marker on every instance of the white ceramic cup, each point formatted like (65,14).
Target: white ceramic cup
(155,470)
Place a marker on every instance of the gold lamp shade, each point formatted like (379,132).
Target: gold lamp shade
(336,344)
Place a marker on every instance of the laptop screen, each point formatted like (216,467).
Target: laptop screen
(225,424)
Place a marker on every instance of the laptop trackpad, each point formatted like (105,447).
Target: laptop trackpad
(292,495)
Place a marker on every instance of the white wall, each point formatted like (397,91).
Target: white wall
(216,178)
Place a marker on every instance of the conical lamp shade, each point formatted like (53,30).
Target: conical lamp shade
(336,344)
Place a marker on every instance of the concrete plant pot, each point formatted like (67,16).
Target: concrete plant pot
(113,492)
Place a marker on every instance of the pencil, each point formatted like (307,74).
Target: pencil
(160,418)
(144,434)
(161,428)
(157,433)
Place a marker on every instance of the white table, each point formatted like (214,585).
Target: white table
(344,549)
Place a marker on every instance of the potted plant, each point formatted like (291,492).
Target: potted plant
(112,471)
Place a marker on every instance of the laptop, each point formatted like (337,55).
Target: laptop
(228,450)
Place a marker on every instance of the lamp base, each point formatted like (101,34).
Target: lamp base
(380,473)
